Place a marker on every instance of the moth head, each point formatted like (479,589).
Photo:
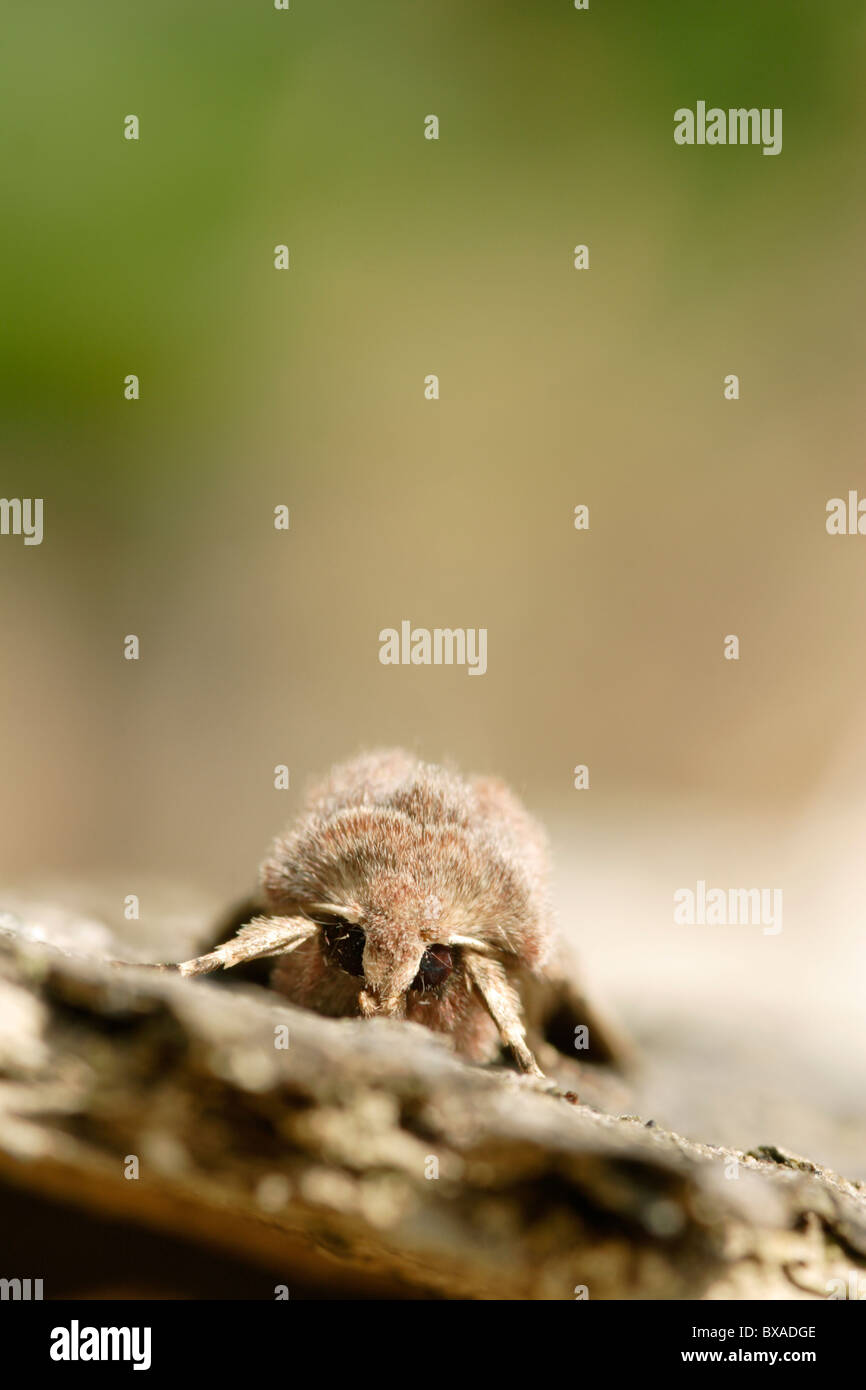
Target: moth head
(389,964)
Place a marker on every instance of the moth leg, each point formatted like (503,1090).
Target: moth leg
(501,998)
(263,936)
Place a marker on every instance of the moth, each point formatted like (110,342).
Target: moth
(405,891)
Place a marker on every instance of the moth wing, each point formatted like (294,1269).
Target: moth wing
(558,1010)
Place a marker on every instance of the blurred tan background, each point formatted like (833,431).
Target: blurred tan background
(558,387)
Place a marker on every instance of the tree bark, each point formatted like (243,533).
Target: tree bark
(364,1159)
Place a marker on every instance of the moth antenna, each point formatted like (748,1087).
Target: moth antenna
(474,943)
(263,936)
(348,914)
(501,998)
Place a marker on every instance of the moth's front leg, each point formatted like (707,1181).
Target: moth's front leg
(503,1004)
(263,936)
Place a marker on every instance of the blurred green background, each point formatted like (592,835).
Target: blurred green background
(558,387)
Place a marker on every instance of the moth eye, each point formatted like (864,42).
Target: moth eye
(436,965)
(343,945)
